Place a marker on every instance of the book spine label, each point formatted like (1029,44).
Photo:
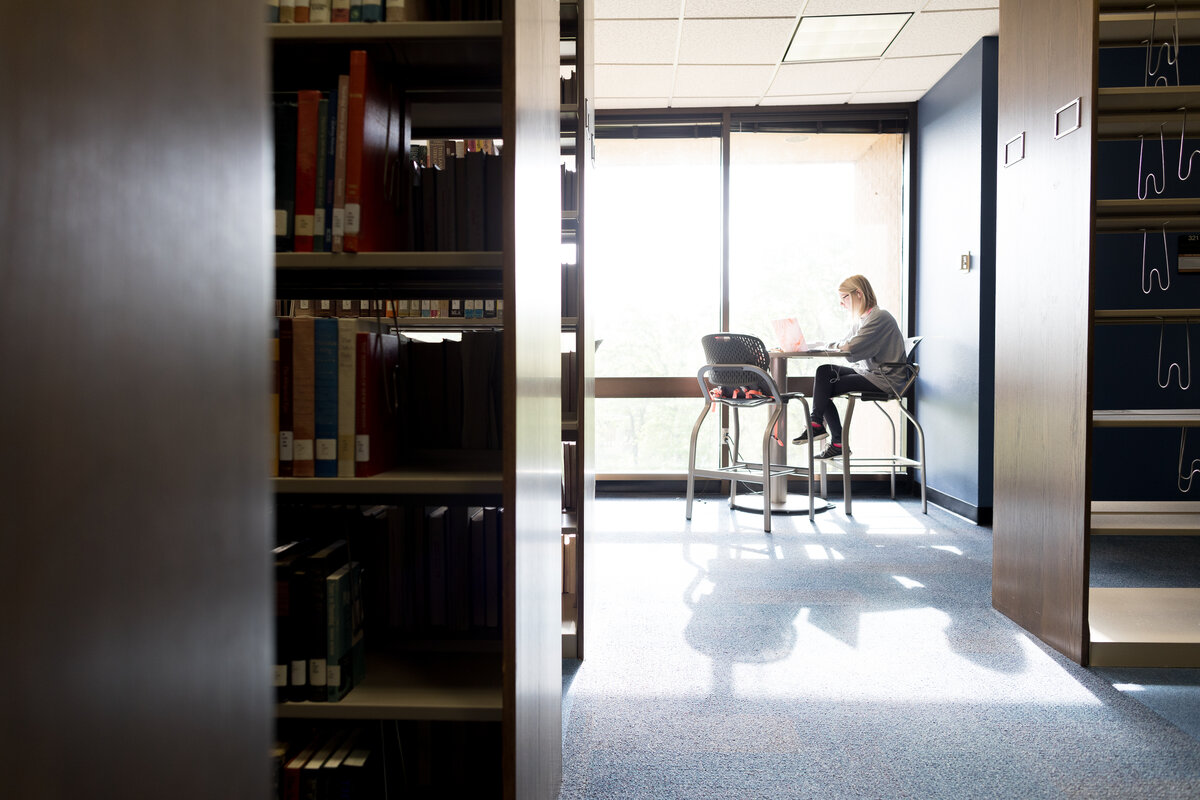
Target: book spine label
(325,392)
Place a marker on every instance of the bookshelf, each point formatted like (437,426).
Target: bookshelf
(492,79)
(576,141)
(1066,209)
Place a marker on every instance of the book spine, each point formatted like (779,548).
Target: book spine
(339,668)
(355,119)
(330,156)
(347,382)
(272,10)
(287,10)
(303,397)
(356,10)
(306,168)
(318,11)
(339,165)
(302,9)
(323,142)
(372,11)
(394,11)
(273,402)
(325,397)
(340,11)
(285,173)
(285,446)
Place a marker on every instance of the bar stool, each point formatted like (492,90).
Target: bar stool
(737,375)
(898,390)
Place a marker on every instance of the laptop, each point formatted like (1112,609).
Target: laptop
(790,338)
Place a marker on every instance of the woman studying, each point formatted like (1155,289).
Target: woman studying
(873,341)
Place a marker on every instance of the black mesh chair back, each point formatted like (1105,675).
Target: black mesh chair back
(736,348)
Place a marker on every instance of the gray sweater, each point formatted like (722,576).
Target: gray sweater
(873,340)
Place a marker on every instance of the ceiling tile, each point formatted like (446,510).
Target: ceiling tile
(822,77)
(717,81)
(888,97)
(636,9)
(806,100)
(944,32)
(714,102)
(832,8)
(740,9)
(624,80)
(631,102)
(734,41)
(908,74)
(636,41)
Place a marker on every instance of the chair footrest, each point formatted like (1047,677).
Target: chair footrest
(873,461)
(746,472)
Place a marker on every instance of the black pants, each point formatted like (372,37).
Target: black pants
(830,381)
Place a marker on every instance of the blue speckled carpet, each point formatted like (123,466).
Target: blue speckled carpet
(851,658)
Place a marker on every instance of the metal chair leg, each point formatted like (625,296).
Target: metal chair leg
(846,455)
(691,480)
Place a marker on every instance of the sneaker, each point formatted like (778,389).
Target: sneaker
(818,433)
(831,451)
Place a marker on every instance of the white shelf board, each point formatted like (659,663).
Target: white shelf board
(436,686)
(1144,627)
(1145,518)
(1147,418)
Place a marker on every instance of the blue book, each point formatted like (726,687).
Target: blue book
(372,11)
(325,396)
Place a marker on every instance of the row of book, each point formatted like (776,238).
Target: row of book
(320,648)
(570,188)
(337,153)
(349,399)
(570,290)
(393,310)
(386,760)
(317,11)
(571,476)
(568,89)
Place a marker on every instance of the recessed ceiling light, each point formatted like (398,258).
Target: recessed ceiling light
(844,38)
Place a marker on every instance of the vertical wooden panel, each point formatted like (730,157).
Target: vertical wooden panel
(135,516)
(1047,58)
(585,338)
(533,410)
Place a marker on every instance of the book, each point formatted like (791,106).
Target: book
(287,10)
(356,10)
(374,413)
(458,569)
(478,567)
(340,12)
(339,163)
(435,535)
(394,11)
(325,397)
(284,111)
(309,598)
(372,10)
(303,396)
(286,671)
(293,769)
(306,167)
(475,163)
(312,776)
(318,11)
(493,212)
(272,10)
(445,183)
(339,667)
(302,10)
(372,143)
(358,622)
(347,331)
(318,244)
(285,444)
(273,402)
(335,785)
(492,555)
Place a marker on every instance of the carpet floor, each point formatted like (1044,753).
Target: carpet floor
(847,658)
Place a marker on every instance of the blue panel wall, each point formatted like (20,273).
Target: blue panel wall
(955,202)
(1150,365)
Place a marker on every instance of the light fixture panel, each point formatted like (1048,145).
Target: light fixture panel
(844,37)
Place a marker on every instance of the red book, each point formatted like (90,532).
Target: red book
(372,142)
(374,414)
(306,169)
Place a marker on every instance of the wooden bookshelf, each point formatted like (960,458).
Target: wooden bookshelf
(476,79)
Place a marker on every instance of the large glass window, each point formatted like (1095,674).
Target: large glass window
(805,211)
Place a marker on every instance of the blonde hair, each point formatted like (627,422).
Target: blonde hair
(859,283)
